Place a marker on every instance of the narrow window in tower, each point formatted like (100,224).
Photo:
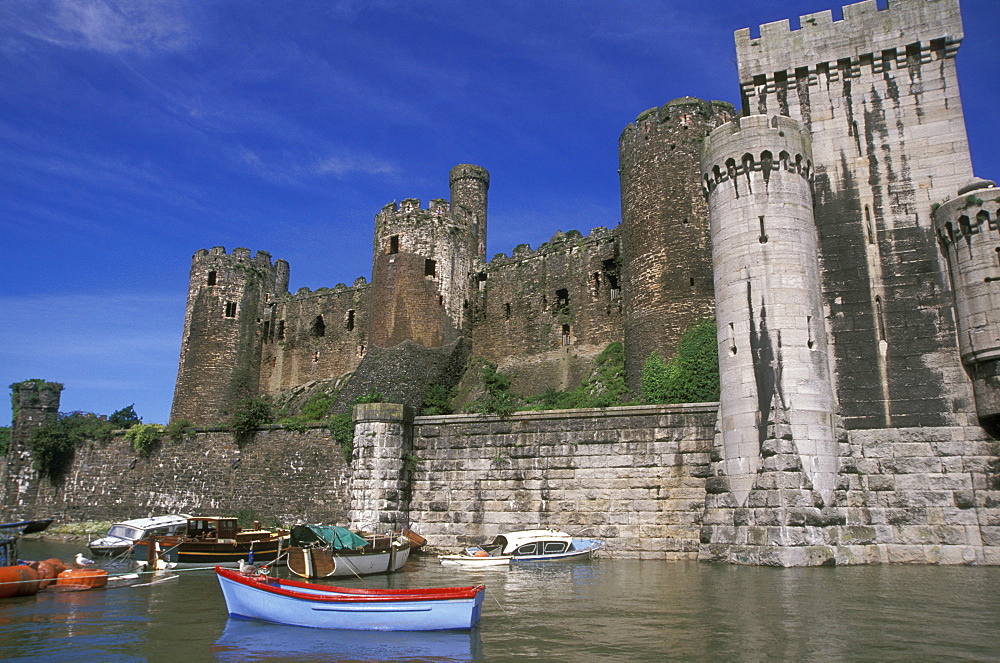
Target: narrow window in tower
(691,282)
(481,281)
(868,225)
(230,309)
(506,311)
(394,244)
(763,235)
(565,335)
(211,278)
(281,330)
(562,300)
(809,332)
(315,357)
(732,339)
(880,321)
(349,320)
(318,327)
(595,284)
(857,137)
(440,300)
(361,352)
(430,267)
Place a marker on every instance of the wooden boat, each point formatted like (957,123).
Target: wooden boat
(533,545)
(322,551)
(297,603)
(122,536)
(209,541)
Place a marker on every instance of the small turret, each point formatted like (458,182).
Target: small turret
(469,186)
(773,358)
(967,229)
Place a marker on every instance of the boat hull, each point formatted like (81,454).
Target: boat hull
(321,563)
(317,606)
(194,554)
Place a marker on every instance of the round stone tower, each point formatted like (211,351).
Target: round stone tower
(773,357)
(967,229)
(220,349)
(469,185)
(424,262)
(666,266)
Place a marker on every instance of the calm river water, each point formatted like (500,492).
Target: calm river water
(605,609)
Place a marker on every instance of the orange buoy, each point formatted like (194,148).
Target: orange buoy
(482,553)
(46,573)
(18,581)
(86,577)
(58,563)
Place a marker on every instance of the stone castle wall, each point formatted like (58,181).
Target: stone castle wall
(281,474)
(543,315)
(314,335)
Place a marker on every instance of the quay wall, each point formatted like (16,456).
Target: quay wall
(281,474)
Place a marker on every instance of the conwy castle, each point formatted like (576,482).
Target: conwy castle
(832,226)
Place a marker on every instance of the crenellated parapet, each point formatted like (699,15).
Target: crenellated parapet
(685,112)
(771,146)
(559,243)
(906,32)
(968,231)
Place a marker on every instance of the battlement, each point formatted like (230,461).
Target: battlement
(975,211)
(756,143)
(561,241)
(904,30)
(436,208)
(304,292)
(679,110)
(263,258)
(469,171)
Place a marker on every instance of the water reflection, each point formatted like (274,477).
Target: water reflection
(251,640)
(605,609)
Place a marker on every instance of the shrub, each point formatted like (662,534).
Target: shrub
(317,407)
(692,375)
(498,398)
(4,440)
(248,414)
(124,418)
(175,429)
(437,400)
(342,431)
(145,437)
(52,445)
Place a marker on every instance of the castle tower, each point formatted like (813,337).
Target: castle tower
(777,400)
(469,185)
(35,403)
(968,229)
(879,95)
(666,272)
(423,265)
(220,348)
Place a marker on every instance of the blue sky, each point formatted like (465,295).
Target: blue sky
(135,132)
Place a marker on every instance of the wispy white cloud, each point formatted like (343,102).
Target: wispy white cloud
(107,26)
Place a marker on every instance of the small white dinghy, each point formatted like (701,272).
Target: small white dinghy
(533,545)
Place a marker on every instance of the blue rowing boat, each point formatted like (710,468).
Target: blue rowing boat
(324,606)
